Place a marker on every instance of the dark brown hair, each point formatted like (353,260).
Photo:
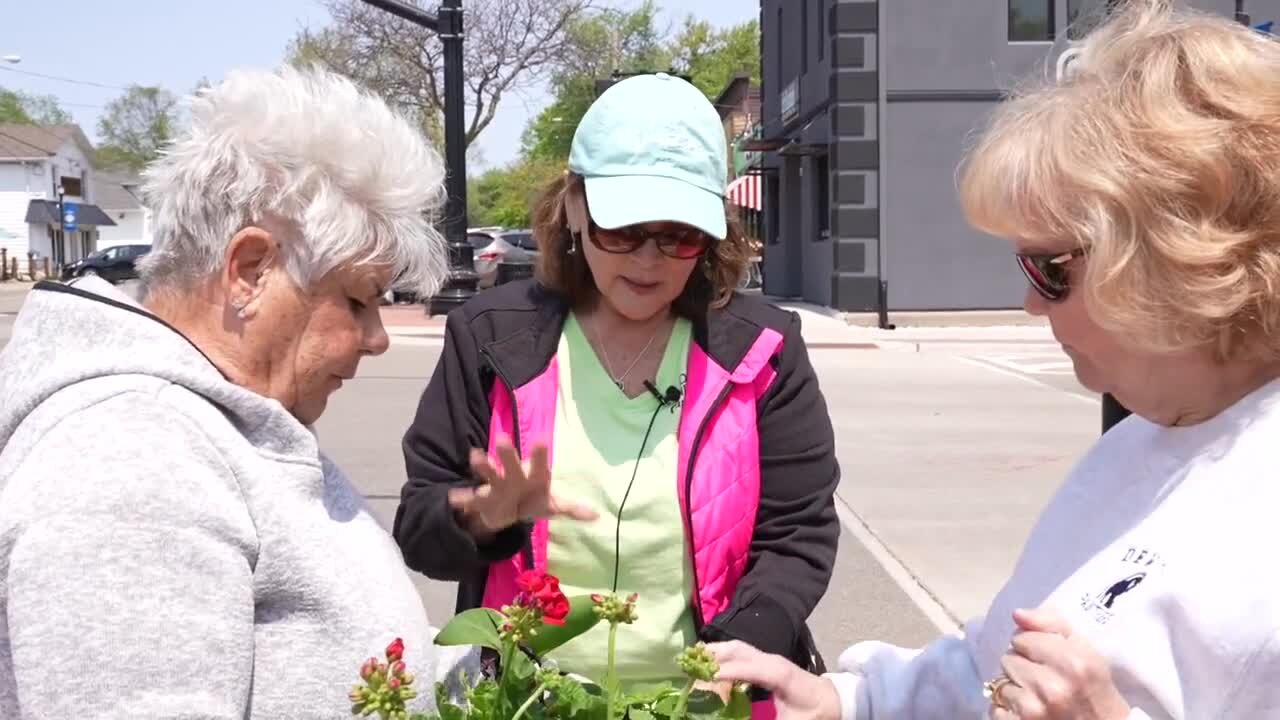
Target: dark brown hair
(719,271)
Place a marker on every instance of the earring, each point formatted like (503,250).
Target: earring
(240,306)
(573,242)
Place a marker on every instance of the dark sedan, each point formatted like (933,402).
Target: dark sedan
(114,264)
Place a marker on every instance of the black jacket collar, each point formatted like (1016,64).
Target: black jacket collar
(517,327)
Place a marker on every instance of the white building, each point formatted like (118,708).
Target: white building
(118,196)
(41,170)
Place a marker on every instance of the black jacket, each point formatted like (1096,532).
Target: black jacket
(512,332)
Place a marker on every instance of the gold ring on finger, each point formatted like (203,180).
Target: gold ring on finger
(993,691)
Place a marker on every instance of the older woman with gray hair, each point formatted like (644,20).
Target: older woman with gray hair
(172,541)
(1141,197)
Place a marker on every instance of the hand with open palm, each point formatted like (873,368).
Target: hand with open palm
(510,491)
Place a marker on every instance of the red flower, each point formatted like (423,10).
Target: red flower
(555,610)
(543,590)
(395,650)
(536,582)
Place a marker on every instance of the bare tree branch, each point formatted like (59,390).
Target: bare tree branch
(509,45)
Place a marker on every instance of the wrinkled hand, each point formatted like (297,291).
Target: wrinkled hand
(510,491)
(1056,676)
(797,695)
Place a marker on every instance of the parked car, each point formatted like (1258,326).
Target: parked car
(114,264)
(493,246)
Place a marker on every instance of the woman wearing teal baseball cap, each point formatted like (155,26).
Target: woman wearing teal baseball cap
(626,421)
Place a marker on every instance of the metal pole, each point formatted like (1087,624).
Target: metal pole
(463,280)
(447,23)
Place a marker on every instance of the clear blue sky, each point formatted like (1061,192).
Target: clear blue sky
(174,44)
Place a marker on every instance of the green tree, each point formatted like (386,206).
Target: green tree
(11,110)
(711,58)
(27,109)
(135,127)
(506,196)
(596,45)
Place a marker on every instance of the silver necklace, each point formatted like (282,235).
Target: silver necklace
(608,364)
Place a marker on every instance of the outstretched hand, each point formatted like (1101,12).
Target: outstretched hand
(797,695)
(511,491)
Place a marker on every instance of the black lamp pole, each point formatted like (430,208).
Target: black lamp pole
(447,23)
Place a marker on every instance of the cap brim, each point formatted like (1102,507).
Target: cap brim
(621,200)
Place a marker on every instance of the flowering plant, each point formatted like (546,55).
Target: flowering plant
(525,685)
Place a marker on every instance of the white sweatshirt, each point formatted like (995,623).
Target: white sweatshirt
(1161,549)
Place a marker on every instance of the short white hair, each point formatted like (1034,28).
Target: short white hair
(358,183)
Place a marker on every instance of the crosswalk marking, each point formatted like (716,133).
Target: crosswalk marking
(1030,363)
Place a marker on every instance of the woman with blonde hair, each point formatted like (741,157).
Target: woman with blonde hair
(1142,198)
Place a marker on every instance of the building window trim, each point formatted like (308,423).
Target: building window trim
(1050,27)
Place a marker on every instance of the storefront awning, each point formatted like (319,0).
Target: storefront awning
(45,212)
(745,192)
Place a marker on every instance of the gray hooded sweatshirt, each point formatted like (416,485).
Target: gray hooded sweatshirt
(173,545)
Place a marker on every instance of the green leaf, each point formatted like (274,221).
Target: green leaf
(739,705)
(484,701)
(640,714)
(667,705)
(704,705)
(522,669)
(581,618)
(473,627)
(645,695)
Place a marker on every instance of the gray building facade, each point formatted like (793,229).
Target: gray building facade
(867,109)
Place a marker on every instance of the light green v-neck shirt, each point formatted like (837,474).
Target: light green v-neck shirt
(597,440)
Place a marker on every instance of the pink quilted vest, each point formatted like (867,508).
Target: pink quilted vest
(725,489)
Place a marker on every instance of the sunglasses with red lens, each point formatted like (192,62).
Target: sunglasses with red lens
(682,243)
(1047,272)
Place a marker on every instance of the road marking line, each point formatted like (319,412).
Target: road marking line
(1030,365)
(902,577)
(1025,378)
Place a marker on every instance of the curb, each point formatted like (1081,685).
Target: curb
(415,333)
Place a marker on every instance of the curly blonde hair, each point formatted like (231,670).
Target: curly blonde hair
(1160,155)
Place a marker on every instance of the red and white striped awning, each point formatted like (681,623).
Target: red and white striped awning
(745,192)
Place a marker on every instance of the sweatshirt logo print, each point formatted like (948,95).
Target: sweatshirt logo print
(1102,604)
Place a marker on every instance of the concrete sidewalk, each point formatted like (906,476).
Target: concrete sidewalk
(822,329)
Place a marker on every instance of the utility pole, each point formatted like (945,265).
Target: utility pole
(447,24)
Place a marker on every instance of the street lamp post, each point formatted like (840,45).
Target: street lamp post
(447,24)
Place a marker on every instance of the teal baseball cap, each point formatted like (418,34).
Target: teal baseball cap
(651,148)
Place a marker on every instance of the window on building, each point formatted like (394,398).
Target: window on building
(804,36)
(1085,15)
(1031,20)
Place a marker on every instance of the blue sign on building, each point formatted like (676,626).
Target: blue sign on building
(69,211)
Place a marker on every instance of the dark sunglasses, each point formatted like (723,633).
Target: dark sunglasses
(682,244)
(1047,272)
